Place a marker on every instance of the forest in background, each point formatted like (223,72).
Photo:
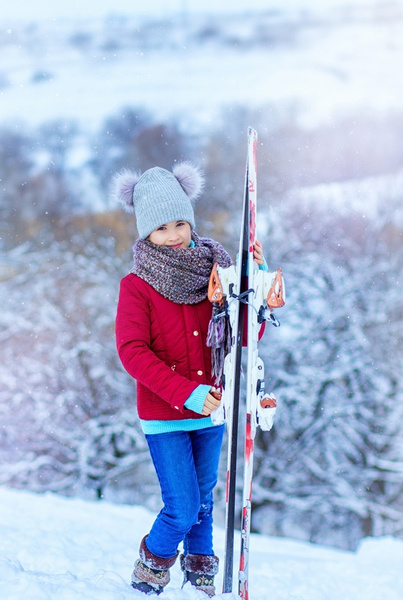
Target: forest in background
(330,214)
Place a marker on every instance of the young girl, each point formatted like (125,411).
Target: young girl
(162,323)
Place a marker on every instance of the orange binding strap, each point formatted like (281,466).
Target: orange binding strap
(215,292)
(275,298)
(268,401)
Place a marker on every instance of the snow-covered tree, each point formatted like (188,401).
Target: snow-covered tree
(63,391)
(331,468)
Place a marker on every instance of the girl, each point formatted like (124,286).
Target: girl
(162,324)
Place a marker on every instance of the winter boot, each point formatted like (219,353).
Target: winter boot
(200,569)
(151,573)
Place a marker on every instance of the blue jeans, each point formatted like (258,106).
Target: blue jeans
(186,463)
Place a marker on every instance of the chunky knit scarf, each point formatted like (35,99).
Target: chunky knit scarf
(182,275)
(179,274)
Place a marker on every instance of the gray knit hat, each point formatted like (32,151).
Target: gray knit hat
(159,196)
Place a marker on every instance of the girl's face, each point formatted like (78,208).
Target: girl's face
(175,234)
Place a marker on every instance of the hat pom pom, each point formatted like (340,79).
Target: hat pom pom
(190,178)
(123,185)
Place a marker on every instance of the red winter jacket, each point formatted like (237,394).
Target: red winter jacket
(163,346)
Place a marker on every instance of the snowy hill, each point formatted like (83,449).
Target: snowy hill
(65,549)
(320,60)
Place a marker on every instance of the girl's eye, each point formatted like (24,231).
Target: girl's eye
(162,228)
(180,223)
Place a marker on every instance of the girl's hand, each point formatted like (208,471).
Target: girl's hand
(210,404)
(258,253)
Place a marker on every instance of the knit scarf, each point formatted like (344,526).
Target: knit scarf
(182,275)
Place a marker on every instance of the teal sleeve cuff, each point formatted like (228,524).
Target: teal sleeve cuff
(196,399)
(264,266)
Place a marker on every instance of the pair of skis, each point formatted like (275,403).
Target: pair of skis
(246,295)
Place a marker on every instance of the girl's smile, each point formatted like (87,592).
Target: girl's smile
(175,234)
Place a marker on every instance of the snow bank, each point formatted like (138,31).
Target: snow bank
(69,549)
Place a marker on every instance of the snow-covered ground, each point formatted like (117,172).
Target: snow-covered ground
(321,59)
(69,549)
(51,9)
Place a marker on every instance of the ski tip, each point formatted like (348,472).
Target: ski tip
(252,132)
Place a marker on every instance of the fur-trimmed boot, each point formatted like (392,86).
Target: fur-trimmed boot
(200,569)
(151,573)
